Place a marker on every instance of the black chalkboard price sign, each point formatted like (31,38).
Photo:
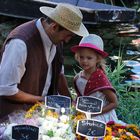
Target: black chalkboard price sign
(89,104)
(91,128)
(25,132)
(57,101)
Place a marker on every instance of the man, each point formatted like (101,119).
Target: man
(32,60)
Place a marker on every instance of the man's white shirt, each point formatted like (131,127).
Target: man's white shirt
(12,66)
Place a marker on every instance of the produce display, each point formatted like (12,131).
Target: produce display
(45,123)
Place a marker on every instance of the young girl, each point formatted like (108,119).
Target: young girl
(92,80)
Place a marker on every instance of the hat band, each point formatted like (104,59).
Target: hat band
(89,45)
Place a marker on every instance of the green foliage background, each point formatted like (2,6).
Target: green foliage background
(128,109)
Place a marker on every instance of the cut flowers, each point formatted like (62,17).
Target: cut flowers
(52,124)
(61,125)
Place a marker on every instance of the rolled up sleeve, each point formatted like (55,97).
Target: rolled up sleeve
(12,66)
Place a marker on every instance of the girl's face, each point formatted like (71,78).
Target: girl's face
(87,59)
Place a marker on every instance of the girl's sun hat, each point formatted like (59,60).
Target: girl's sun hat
(91,41)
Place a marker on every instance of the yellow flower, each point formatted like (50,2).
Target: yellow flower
(121,131)
(30,112)
(108,137)
(108,131)
(52,114)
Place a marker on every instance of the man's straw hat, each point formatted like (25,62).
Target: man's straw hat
(91,41)
(68,16)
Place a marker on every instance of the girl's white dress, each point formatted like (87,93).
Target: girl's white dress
(106,117)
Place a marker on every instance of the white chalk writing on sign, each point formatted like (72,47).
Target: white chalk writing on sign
(87,123)
(89,104)
(57,101)
(25,132)
(91,128)
(26,127)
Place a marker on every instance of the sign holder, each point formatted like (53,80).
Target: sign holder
(25,132)
(90,105)
(91,128)
(57,101)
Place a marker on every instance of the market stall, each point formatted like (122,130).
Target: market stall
(58,119)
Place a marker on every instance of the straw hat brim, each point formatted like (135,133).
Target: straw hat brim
(77,47)
(82,31)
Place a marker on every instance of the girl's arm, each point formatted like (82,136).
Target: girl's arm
(112,99)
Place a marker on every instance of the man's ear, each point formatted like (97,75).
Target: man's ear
(55,26)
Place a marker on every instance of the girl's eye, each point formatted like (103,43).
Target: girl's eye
(89,58)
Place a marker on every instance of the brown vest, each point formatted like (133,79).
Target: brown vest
(34,78)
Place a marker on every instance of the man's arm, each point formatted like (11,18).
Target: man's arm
(23,97)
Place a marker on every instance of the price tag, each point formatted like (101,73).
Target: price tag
(91,128)
(57,101)
(88,104)
(25,132)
